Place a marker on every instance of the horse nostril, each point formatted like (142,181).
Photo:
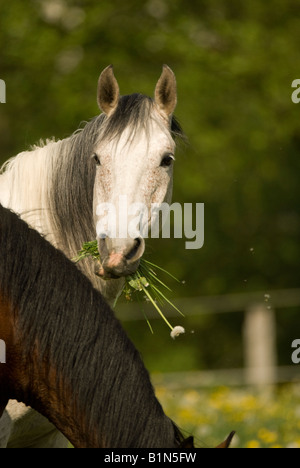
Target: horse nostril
(134,251)
(137,242)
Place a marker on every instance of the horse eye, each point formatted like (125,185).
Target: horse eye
(167,160)
(96,158)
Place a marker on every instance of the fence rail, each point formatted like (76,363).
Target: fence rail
(259,337)
(280,298)
(219,377)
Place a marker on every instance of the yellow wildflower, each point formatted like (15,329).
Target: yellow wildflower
(269,437)
(253,444)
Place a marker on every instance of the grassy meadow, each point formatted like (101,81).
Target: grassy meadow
(261,420)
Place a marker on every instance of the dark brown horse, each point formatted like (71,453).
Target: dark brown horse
(66,355)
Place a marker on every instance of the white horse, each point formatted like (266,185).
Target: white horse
(128,150)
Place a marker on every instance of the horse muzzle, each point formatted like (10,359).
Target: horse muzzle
(119,257)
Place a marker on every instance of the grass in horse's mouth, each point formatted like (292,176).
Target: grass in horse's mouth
(145,280)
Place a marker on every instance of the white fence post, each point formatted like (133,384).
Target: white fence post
(260,345)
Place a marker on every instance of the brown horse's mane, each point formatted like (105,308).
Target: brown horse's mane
(61,320)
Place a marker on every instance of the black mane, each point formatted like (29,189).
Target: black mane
(135,110)
(66,322)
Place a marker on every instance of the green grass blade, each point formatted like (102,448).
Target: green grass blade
(157,308)
(161,269)
(153,276)
(168,301)
(144,280)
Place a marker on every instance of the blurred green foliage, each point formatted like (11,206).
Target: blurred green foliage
(234,62)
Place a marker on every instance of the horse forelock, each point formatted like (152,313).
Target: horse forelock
(136,111)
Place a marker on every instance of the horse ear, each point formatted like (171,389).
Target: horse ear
(108,91)
(165,92)
(227,442)
(187,443)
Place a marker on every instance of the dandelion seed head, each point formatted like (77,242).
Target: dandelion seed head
(177,331)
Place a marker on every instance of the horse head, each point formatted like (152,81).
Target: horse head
(134,156)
